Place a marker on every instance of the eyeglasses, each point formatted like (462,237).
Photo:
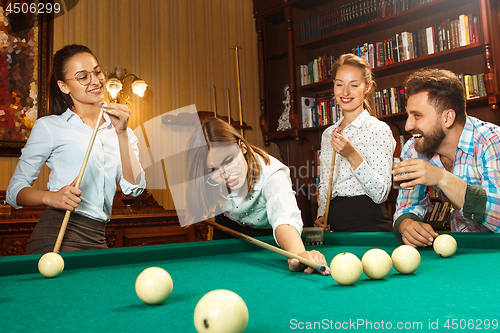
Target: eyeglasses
(85,77)
(215,179)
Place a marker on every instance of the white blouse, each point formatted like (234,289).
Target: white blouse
(61,142)
(270,202)
(375,142)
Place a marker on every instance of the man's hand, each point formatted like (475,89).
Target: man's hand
(420,172)
(414,172)
(417,233)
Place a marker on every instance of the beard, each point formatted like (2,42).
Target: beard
(430,142)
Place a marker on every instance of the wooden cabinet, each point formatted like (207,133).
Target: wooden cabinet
(146,224)
(281,52)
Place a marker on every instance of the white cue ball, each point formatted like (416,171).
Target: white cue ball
(154,285)
(445,245)
(51,264)
(346,268)
(221,311)
(406,259)
(377,264)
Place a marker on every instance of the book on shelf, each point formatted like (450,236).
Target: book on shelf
(404,46)
(371,56)
(352,14)
(390,101)
(319,111)
(473,85)
(480,85)
(438,214)
(307,104)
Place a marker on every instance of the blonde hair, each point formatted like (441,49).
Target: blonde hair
(355,61)
(215,131)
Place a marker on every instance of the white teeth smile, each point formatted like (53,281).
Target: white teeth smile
(94,90)
(417,136)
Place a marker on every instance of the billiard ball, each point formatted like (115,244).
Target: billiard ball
(405,259)
(221,311)
(377,264)
(154,285)
(346,268)
(445,245)
(51,264)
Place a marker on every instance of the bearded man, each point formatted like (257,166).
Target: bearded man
(455,155)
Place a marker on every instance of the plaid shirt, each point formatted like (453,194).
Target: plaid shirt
(477,162)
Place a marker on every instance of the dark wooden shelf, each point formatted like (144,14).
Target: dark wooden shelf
(393,116)
(305,4)
(277,54)
(393,20)
(428,60)
(272,10)
(408,65)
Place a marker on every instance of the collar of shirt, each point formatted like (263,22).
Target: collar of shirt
(69,114)
(466,144)
(358,122)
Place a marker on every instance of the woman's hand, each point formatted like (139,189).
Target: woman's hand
(119,115)
(67,198)
(344,147)
(320,223)
(316,256)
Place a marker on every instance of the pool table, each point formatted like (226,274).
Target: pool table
(95,292)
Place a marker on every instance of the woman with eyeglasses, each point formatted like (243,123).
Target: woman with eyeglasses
(60,140)
(245,188)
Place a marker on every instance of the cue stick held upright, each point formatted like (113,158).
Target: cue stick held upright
(262,244)
(64,224)
(239,86)
(214,101)
(228,107)
(329,195)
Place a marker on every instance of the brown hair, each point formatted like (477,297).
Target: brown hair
(214,131)
(444,90)
(59,101)
(355,61)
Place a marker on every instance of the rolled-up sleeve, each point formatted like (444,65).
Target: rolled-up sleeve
(33,156)
(127,188)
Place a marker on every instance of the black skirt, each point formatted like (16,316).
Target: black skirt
(227,222)
(82,233)
(359,213)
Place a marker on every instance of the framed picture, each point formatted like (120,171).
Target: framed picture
(25,60)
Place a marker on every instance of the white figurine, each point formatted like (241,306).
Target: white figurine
(284,120)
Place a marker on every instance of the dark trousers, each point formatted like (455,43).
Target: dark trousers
(82,233)
(358,213)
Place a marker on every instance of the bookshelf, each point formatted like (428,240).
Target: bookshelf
(283,49)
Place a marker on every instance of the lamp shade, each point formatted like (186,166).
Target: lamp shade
(139,87)
(114,86)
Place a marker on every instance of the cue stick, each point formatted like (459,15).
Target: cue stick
(329,195)
(215,102)
(228,108)
(64,224)
(275,249)
(239,86)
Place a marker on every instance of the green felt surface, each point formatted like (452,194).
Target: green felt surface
(103,299)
